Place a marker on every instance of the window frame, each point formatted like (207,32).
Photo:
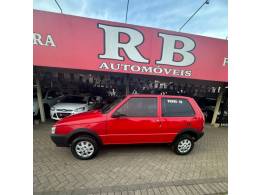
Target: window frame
(157,108)
(194,113)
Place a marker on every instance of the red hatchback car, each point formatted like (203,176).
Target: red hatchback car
(136,119)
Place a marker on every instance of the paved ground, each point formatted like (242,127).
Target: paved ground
(132,169)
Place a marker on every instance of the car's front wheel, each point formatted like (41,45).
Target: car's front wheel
(84,147)
(183,144)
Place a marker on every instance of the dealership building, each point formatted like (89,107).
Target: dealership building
(83,55)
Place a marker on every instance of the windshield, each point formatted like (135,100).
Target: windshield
(107,108)
(74,99)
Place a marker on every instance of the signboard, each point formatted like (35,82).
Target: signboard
(64,41)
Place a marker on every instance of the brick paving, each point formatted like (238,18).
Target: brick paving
(132,169)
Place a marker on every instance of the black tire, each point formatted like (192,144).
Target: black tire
(179,141)
(76,143)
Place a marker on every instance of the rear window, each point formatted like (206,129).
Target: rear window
(176,107)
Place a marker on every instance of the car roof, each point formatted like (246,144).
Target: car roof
(154,95)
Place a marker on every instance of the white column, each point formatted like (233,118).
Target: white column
(216,110)
(39,99)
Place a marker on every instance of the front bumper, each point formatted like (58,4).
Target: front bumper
(60,140)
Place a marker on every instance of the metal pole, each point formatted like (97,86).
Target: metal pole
(58,5)
(206,2)
(216,110)
(225,100)
(39,99)
(126,11)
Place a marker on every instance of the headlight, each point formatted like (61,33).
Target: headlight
(52,109)
(53,130)
(79,109)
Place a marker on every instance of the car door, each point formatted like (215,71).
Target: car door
(136,121)
(177,114)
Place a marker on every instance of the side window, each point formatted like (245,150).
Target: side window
(174,107)
(139,107)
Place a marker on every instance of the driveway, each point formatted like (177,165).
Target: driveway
(136,169)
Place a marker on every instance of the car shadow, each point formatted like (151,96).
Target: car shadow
(134,148)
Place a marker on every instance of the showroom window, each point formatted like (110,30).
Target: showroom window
(174,107)
(54,94)
(139,107)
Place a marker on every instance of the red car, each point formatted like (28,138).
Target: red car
(136,119)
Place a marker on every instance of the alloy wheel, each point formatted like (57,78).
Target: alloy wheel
(184,146)
(84,149)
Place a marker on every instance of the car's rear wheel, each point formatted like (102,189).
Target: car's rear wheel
(183,144)
(84,148)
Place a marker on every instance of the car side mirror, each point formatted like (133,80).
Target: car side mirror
(118,115)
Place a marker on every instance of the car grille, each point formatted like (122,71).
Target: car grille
(64,110)
(62,115)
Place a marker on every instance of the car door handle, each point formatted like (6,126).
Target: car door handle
(160,123)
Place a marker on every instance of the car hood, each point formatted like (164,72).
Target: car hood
(69,106)
(85,117)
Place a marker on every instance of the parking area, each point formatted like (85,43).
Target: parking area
(143,169)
